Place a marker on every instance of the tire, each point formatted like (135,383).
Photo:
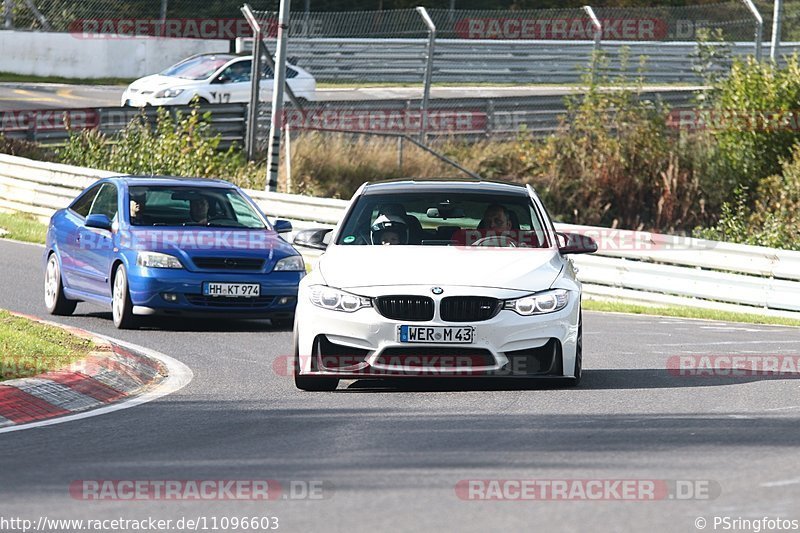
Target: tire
(310,383)
(121,305)
(54,299)
(578,371)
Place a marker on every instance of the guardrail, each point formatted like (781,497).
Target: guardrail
(634,266)
(506,61)
(465,117)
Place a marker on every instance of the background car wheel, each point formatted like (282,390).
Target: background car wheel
(310,383)
(54,299)
(578,354)
(121,305)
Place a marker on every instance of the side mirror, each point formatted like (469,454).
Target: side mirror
(575,243)
(313,238)
(282,226)
(98,222)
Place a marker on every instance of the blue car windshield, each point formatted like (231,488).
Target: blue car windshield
(191,206)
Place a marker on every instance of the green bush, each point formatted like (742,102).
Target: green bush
(747,120)
(183,145)
(770,216)
(23,148)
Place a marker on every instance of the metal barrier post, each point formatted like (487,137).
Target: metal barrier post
(598,36)
(777,14)
(426,93)
(759,26)
(255,88)
(276,120)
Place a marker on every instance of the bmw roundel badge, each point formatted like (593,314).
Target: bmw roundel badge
(437,290)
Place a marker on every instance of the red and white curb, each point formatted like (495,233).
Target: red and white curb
(116,375)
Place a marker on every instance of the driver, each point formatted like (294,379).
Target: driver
(198,210)
(137,209)
(389,229)
(495,219)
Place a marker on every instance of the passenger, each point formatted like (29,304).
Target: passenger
(198,210)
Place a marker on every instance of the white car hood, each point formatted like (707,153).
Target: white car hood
(527,269)
(157,81)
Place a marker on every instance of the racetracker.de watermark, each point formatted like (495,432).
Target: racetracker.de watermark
(184,239)
(734,366)
(180,28)
(638,490)
(199,489)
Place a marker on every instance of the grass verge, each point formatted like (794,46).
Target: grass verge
(687,312)
(23,227)
(28,348)
(26,78)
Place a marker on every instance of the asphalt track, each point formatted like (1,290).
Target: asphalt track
(27,96)
(390,458)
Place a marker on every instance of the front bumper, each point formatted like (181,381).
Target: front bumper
(278,293)
(365,343)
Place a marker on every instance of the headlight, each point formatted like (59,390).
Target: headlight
(168,93)
(540,303)
(336,300)
(157,260)
(293,263)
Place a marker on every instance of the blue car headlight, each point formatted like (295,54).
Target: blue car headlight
(336,300)
(539,303)
(157,260)
(293,263)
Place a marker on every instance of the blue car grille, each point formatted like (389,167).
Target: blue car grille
(228,263)
(229,303)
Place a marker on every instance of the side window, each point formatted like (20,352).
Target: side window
(83,204)
(106,202)
(290,72)
(238,72)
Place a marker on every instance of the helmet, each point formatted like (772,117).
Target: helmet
(389,224)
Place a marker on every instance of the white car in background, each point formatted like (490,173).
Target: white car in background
(212,78)
(440,279)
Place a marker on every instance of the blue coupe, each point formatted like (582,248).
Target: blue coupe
(171,246)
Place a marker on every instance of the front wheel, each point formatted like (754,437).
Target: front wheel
(121,305)
(54,299)
(578,354)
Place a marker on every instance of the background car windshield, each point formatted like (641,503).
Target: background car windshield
(196,68)
(191,206)
(445,218)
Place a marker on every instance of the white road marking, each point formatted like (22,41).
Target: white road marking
(179,375)
(781,483)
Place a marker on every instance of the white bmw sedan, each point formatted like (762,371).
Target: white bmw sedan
(440,279)
(212,78)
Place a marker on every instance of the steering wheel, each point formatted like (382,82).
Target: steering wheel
(496,241)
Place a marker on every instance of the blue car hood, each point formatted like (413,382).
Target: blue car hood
(208,242)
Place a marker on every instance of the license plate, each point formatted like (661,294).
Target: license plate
(232,290)
(436,334)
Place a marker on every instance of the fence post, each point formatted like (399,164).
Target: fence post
(759,26)
(598,36)
(164,4)
(276,119)
(777,13)
(8,15)
(255,79)
(426,93)
(400,155)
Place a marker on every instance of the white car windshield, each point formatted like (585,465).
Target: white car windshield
(196,68)
(444,219)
